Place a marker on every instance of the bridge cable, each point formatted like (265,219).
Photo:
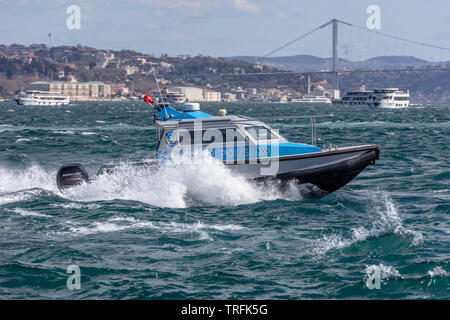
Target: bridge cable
(295,40)
(400,38)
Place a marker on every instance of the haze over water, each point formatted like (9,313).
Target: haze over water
(201,232)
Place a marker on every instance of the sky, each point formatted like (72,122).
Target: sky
(230,27)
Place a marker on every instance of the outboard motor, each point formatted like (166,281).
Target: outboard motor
(70,175)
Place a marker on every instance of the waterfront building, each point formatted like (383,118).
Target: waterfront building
(77,91)
(229,97)
(211,95)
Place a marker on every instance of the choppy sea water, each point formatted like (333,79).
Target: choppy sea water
(205,233)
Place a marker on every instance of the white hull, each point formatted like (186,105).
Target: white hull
(38,98)
(383,98)
(357,103)
(393,104)
(33,102)
(311,101)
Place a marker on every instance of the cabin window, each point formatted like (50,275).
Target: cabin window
(230,135)
(260,133)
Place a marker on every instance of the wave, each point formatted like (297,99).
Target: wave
(386,272)
(64,129)
(13,180)
(437,272)
(119,223)
(176,185)
(75,205)
(27,213)
(385,220)
(388,221)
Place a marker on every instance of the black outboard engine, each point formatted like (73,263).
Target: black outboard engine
(70,175)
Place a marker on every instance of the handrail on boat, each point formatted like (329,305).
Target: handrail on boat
(311,117)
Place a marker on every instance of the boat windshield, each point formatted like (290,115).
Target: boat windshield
(261,133)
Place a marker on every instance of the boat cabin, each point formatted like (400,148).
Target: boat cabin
(227,138)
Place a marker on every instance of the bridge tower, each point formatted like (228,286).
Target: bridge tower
(335,54)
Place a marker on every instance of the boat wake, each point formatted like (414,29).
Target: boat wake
(176,185)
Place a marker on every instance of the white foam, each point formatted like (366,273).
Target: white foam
(182,227)
(198,227)
(106,226)
(26,213)
(437,272)
(386,272)
(96,227)
(75,205)
(384,220)
(441,191)
(12,180)
(120,223)
(329,242)
(16,197)
(174,185)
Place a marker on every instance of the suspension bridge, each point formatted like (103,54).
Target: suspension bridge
(336,71)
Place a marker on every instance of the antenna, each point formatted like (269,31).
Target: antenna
(160,93)
(156,80)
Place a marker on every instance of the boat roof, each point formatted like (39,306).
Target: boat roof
(170,117)
(209,121)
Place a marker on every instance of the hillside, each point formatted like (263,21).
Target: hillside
(308,63)
(20,64)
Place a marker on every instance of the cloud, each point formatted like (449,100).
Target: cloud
(245,5)
(198,7)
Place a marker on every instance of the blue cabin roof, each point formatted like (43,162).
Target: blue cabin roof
(168,113)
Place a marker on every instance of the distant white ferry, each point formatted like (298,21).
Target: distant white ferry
(168,96)
(392,98)
(312,99)
(386,97)
(42,98)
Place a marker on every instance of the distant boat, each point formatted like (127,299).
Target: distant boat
(384,97)
(281,100)
(169,96)
(42,98)
(392,98)
(312,99)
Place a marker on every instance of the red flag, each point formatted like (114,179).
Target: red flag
(149,99)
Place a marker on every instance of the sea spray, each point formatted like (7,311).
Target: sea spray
(13,179)
(175,185)
(384,219)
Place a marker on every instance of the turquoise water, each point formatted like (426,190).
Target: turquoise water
(205,233)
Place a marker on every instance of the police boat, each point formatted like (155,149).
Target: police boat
(246,146)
